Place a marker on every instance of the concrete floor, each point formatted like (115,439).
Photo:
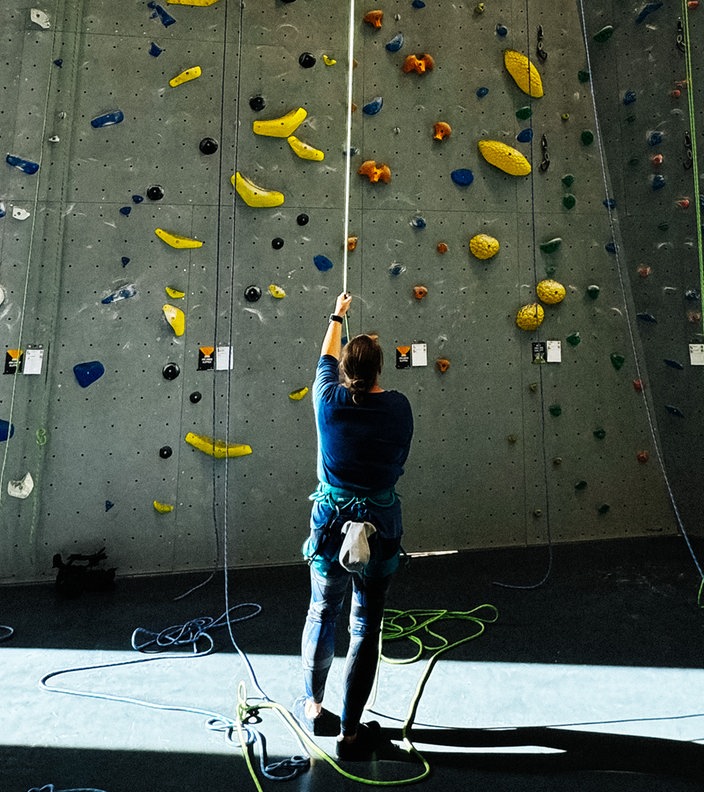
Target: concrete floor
(609,650)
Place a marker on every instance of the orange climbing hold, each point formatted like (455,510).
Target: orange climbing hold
(442,365)
(374,18)
(420,65)
(419,292)
(352,243)
(375,171)
(442,247)
(441,130)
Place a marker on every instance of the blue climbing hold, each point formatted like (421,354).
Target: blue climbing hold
(675,364)
(658,181)
(396,268)
(88,373)
(501,31)
(108,119)
(611,247)
(164,16)
(629,97)
(125,210)
(373,107)
(155,50)
(648,8)
(108,505)
(692,294)
(59,62)
(24,165)
(609,203)
(323,263)
(6,430)
(3,211)
(648,318)
(655,138)
(525,135)
(137,199)
(482,91)
(418,222)
(418,4)
(462,177)
(125,260)
(123,293)
(395,44)
(674,410)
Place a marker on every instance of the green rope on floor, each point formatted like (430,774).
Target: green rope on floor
(695,164)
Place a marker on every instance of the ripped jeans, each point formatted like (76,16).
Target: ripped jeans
(329,584)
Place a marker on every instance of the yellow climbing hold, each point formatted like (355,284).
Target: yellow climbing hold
(175,294)
(176,241)
(550,292)
(162,508)
(217,448)
(530,317)
(524,73)
(329,61)
(303,150)
(186,76)
(483,246)
(283,126)
(176,318)
(200,3)
(253,195)
(297,395)
(504,157)
(276,291)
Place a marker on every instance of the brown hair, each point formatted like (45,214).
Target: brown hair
(361,362)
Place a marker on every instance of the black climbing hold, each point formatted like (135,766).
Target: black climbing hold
(302,219)
(165,452)
(257,103)
(195,397)
(208,145)
(252,293)
(307,60)
(170,371)
(277,243)
(155,192)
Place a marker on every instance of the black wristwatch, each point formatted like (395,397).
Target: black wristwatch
(334,318)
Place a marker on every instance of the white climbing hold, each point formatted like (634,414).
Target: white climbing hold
(22,488)
(40,18)
(19,214)
(2,295)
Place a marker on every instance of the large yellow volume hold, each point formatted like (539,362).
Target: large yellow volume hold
(283,126)
(530,316)
(483,246)
(217,448)
(186,76)
(504,157)
(176,241)
(304,150)
(524,73)
(253,195)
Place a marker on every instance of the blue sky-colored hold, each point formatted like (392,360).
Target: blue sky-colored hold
(323,263)
(25,165)
(87,373)
(462,177)
(373,107)
(395,44)
(108,119)
(6,430)
(123,293)
(525,135)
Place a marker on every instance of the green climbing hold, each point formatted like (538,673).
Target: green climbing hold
(551,245)
(568,180)
(617,360)
(569,201)
(550,270)
(600,434)
(587,137)
(555,410)
(524,113)
(583,76)
(604,34)
(593,291)
(573,339)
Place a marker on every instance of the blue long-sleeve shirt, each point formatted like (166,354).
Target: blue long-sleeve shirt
(361,448)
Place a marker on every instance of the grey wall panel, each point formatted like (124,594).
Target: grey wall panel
(491,463)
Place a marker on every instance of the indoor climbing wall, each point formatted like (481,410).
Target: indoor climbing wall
(173,240)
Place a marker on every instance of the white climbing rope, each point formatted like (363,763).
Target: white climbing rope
(348,143)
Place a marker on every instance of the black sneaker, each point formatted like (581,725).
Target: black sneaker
(327,724)
(365,745)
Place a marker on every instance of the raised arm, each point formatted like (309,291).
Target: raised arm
(332,343)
